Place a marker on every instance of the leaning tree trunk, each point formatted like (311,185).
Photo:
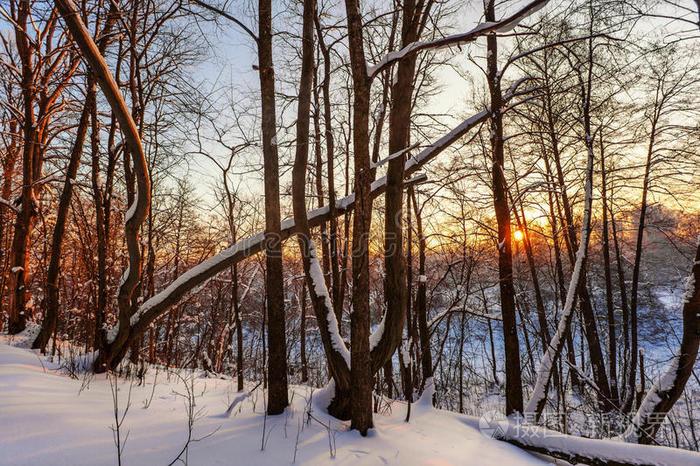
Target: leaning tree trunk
(631,374)
(117,346)
(330,166)
(612,343)
(399,139)
(51,316)
(669,387)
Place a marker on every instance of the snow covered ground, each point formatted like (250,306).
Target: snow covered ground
(45,418)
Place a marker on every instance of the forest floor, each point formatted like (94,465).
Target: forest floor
(54,413)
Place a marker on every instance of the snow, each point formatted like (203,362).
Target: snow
(45,418)
(689,288)
(420,158)
(376,336)
(511,25)
(393,56)
(393,156)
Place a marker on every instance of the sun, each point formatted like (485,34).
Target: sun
(518,235)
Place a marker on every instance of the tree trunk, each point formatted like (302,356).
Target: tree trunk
(302,336)
(8,170)
(539,396)
(426,357)
(17,286)
(277,353)
(612,343)
(330,160)
(514,388)
(361,363)
(52,299)
(51,316)
(239,330)
(669,387)
(632,372)
(138,211)
(336,353)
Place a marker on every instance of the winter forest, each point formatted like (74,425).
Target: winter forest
(315,232)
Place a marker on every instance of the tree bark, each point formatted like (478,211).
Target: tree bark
(361,363)
(52,299)
(514,388)
(669,387)
(539,397)
(632,371)
(426,358)
(138,211)
(336,352)
(277,353)
(330,161)
(609,303)
(23,222)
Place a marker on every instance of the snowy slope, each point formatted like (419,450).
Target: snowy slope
(45,419)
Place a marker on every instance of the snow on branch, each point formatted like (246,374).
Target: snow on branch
(484,28)
(652,399)
(393,156)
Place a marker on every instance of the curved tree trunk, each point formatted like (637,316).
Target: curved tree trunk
(669,387)
(116,348)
